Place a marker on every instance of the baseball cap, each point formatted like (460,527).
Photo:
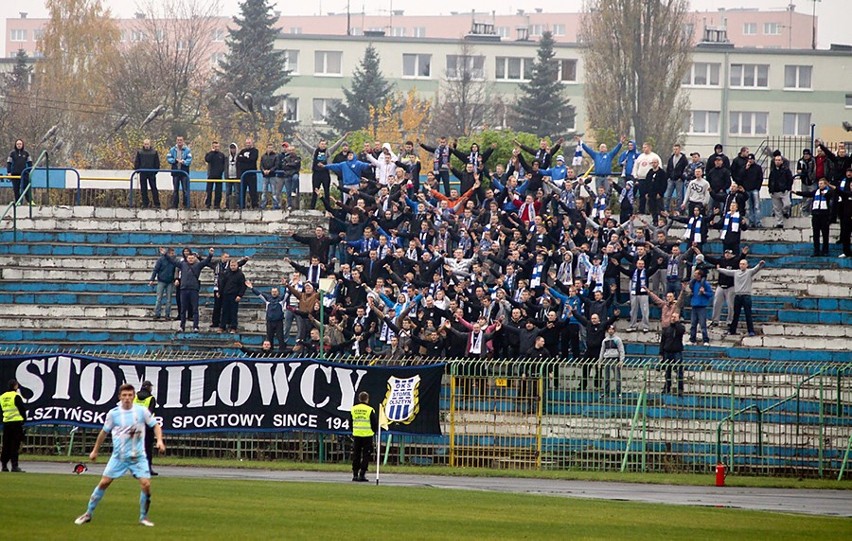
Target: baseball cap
(560,158)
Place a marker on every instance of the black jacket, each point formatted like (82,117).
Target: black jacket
(246,161)
(780,180)
(147,159)
(675,170)
(752,178)
(671,340)
(216,162)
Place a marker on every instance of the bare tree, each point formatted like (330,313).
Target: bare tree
(636,56)
(463,97)
(169,62)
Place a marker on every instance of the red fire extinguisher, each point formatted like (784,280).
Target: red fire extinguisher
(721,473)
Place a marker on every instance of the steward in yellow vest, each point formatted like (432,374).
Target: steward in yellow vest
(365,422)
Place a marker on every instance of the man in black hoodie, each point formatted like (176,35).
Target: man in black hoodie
(18,160)
(232,288)
(780,184)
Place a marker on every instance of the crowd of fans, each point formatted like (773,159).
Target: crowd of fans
(524,258)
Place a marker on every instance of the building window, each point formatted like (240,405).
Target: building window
(702,74)
(688,30)
(502,31)
(747,123)
(849,101)
(417,66)
(357,31)
(797,123)
(398,31)
(703,123)
(513,69)
(215,58)
(291,61)
(218,35)
(419,31)
(38,34)
(558,29)
(568,70)
(797,77)
(322,107)
(137,36)
(290,107)
(537,29)
(459,66)
(296,30)
(17,35)
(749,29)
(750,75)
(772,29)
(328,62)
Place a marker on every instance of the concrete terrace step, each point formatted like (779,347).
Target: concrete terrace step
(804,330)
(832,343)
(73,265)
(750,353)
(73,218)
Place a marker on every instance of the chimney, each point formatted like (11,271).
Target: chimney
(139,15)
(23,14)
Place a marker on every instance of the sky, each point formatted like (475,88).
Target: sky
(832,14)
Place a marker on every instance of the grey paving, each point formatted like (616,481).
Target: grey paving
(806,501)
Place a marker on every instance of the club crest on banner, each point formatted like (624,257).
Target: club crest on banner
(402,401)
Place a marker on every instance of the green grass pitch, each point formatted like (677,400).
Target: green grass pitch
(43,507)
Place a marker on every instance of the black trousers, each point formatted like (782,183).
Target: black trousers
(845,218)
(217,309)
(362,451)
(147,180)
(149,447)
(217,199)
(13,436)
(230,312)
(821,220)
(20,184)
(318,181)
(250,182)
(275,330)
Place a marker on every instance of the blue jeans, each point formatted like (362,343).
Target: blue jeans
(268,191)
(291,184)
(699,319)
(180,183)
(674,188)
(753,207)
(165,291)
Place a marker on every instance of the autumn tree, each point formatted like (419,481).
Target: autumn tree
(542,107)
(463,98)
(636,56)
(79,46)
(253,66)
(368,89)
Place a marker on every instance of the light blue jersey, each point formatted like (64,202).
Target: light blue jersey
(127,427)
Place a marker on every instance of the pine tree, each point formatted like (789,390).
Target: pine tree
(542,108)
(369,88)
(252,65)
(18,80)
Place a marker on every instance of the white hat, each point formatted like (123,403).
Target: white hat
(560,158)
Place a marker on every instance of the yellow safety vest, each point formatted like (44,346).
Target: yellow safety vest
(144,403)
(361,421)
(10,410)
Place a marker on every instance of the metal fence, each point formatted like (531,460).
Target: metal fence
(758,418)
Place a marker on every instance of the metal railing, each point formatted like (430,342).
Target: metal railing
(558,414)
(26,193)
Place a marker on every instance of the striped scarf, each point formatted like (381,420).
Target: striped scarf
(820,201)
(732,224)
(599,207)
(693,230)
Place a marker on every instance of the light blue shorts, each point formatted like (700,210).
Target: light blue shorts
(138,467)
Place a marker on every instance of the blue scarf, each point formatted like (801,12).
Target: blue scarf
(732,224)
(820,201)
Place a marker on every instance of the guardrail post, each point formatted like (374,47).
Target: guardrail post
(452,370)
